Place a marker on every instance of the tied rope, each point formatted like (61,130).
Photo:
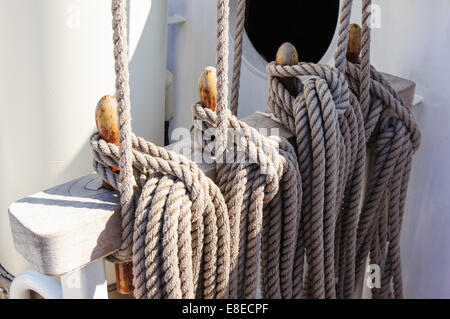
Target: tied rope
(188,237)
(126,178)
(5,282)
(223,14)
(261,186)
(334,117)
(393,137)
(175,224)
(182,234)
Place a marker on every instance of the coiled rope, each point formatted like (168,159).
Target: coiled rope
(186,236)
(5,282)
(181,233)
(333,117)
(175,224)
(262,191)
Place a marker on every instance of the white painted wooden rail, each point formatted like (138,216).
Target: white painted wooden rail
(68,230)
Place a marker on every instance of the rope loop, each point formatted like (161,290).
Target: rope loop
(333,116)
(261,185)
(335,80)
(326,119)
(382,93)
(171,186)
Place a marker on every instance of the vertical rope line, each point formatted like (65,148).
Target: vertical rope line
(237,61)
(364,89)
(344,25)
(223,12)
(126,178)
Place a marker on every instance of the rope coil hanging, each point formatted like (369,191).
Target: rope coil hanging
(262,195)
(188,237)
(338,239)
(262,192)
(175,225)
(328,126)
(202,232)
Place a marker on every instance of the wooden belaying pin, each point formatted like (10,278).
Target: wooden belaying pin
(106,118)
(354,43)
(124,278)
(207,88)
(107,124)
(287,55)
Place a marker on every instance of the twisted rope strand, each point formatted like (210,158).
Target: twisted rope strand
(259,211)
(237,61)
(222,74)
(126,178)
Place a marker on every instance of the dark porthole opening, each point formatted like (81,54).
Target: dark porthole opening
(308,25)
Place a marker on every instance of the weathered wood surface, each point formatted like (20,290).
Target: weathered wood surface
(63,228)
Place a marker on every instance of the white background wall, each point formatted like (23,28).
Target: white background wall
(413,42)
